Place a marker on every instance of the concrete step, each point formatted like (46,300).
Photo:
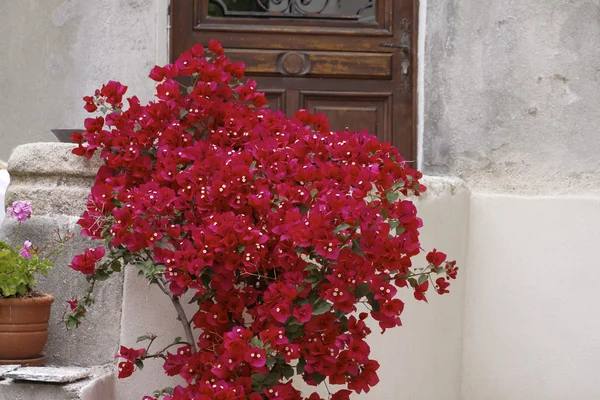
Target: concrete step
(100,385)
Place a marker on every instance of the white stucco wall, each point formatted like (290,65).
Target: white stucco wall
(54,52)
(511,106)
(419,361)
(533,296)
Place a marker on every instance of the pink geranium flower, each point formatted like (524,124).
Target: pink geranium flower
(24,252)
(21,210)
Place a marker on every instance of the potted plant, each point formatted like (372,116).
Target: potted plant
(285,235)
(24,312)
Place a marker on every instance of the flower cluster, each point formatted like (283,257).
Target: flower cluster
(287,235)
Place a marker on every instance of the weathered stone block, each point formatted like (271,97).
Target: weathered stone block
(49,374)
(57,183)
(100,385)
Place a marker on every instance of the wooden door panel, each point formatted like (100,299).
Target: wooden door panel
(315,64)
(352,110)
(359,70)
(276,98)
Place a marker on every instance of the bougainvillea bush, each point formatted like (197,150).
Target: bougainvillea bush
(286,235)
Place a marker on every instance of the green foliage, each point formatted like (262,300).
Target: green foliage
(17,274)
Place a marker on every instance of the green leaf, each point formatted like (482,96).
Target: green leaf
(313,192)
(314,277)
(341,227)
(142,338)
(374,303)
(321,307)
(303,208)
(392,196)
(116,266)
(292,327)
(272,379)
(356,247)
(139,364)
(288,371)
(270,362)
(102,275)
(72,322)
(205,278)
(257,380)
(318,378)
(177,339)
(422,279)
(293,330)
(362,290)
(256,342)
(310,267)
(300,366)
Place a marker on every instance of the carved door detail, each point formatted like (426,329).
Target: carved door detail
(352,60)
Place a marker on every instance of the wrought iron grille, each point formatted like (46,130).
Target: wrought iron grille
(329,9)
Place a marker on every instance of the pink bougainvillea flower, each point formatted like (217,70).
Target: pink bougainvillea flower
(25,250)
(20,210)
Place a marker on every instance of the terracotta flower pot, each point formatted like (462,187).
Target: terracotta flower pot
(24,329)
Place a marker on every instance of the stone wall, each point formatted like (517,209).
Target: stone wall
(57,184)
(511,94)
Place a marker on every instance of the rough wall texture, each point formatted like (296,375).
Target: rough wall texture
(54,52)
(511,94)
(57,184)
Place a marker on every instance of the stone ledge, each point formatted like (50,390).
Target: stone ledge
(99,385)
(49,374)
(437,185)
(51,159)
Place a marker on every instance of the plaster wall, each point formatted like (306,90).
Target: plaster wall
(57,51)
(428,347)
(511,105)
(532,299)
(511,94)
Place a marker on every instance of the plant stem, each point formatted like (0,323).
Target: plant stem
(180,313)
(160,352)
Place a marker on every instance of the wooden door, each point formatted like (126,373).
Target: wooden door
(352,60)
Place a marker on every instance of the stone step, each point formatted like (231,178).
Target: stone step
(98,383)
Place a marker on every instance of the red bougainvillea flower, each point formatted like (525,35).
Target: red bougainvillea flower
(436,258)
(125,368)
(275,227)
(86,262)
